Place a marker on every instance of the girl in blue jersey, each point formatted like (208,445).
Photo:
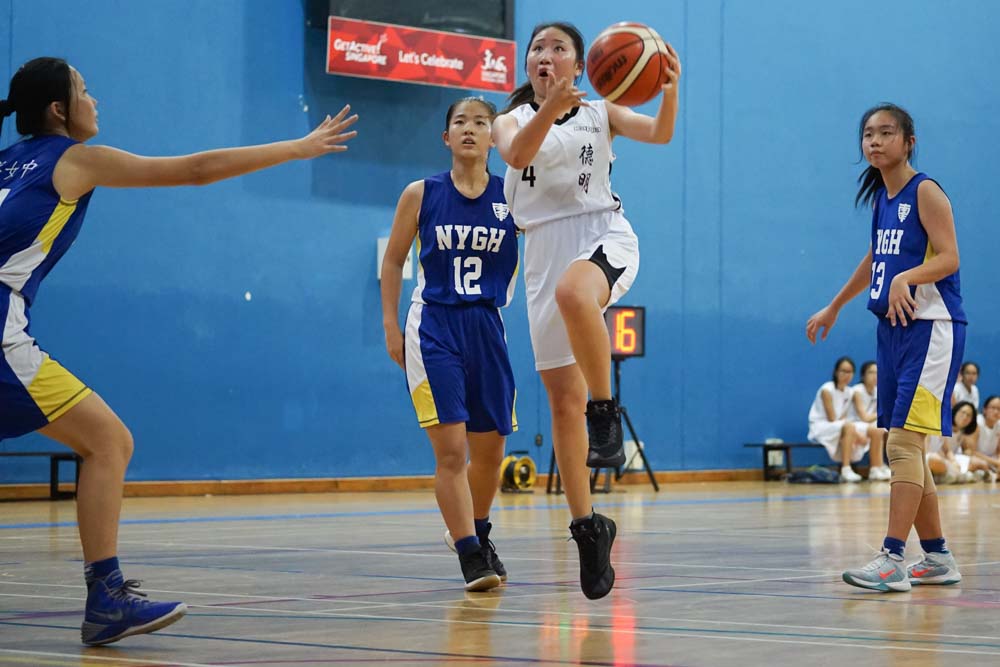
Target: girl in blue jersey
(454,350)
(580,256)
(911,274)
(46,182)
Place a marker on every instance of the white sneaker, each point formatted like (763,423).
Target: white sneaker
(847,474)
(935,568)
(880,474)
(886,573)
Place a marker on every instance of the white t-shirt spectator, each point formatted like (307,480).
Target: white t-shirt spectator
(868,401)
(987,443)
(963,394)
(841,402)
(827,433)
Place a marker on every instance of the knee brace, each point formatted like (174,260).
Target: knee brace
(905,452)
(929,486)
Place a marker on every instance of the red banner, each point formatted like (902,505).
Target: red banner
(399,53)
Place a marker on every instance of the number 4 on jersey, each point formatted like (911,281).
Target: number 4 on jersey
(529,175)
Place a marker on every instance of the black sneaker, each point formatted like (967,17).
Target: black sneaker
(604,430)
(594,538)
(479,576)
(490,552)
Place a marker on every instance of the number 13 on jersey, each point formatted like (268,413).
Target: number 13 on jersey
(878,279)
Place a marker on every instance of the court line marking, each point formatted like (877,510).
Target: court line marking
(394,554)
(775,638)
(84,658)
(449,555)
(731,500)
(361,604)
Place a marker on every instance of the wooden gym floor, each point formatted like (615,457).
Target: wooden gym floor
(740,573)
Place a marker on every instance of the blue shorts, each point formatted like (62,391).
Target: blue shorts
(457,367)
(917,368)
(34,388)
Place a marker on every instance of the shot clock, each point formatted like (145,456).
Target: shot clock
(627,330)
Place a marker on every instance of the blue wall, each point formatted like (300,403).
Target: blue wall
(745,219)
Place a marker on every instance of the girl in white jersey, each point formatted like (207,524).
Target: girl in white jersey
(580,256)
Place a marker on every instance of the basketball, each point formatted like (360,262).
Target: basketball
(627,64)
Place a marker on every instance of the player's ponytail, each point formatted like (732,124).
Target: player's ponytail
(6,109)
(37,84)
(871,178)
(525,93)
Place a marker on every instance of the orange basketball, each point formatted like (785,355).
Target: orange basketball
(627,64)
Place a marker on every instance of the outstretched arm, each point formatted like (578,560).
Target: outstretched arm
(404,228)
(856,284)
(648,129)
(83,167)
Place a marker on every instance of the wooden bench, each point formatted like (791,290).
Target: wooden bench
(54,459)
(775,472)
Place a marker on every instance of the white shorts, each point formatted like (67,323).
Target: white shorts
(549,249)
(828,435)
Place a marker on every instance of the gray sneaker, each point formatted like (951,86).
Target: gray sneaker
(935,568)
(885,573)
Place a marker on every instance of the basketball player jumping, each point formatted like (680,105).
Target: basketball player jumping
(580,256)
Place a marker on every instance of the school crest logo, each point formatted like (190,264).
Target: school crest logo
(501,211)
(904,210)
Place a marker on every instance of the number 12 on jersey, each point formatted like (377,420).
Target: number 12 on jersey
(467,271)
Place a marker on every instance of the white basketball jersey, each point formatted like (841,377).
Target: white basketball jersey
(841,401)
(868,401)
(570,175)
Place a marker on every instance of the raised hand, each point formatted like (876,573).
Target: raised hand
(673,71)
(562,96)
(329,136)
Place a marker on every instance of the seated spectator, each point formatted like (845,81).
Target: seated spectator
(846,441)
(947,457)
(941,460)
(987,435)
(864,408)
(965,388)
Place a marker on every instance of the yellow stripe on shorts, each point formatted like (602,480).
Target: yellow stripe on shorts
(423,402)
(925,412)
(55,390)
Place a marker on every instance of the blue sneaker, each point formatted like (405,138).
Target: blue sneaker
(885,573)
(115,609)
